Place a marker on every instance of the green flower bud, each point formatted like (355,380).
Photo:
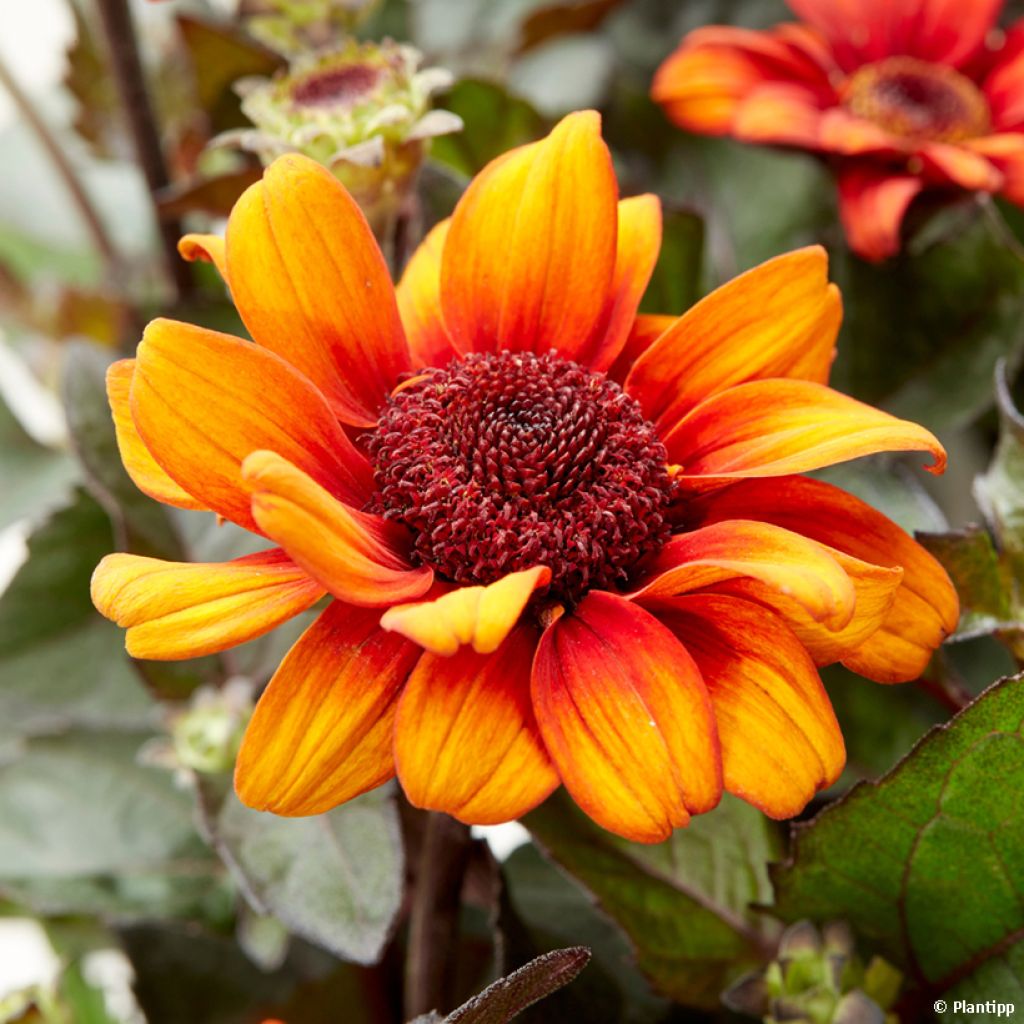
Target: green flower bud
(362,111)
(205,737)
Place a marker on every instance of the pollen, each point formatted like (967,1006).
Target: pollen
(500,462)
(917,99)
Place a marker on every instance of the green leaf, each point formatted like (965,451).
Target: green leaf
(508,997)
(85,828)
(334,879)
(61,663)
(676,282)
(686,903)
(927,864)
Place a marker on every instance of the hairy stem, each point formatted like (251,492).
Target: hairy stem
(131,85)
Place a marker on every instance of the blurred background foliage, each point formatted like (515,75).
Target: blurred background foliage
(117,826)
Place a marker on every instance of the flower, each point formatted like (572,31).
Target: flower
(562,542)
(904,96)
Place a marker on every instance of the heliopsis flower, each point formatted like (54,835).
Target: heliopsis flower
(560,542)
(904,96)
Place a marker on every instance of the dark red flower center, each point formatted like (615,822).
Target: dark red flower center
(917,99)
(500,462)
(335,87)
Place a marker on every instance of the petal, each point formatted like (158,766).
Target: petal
(187,609)
(778,320)
(626,719)
(322,732)
(639,243)
(781,560)
(960,166)
(466,741)
(530,256)
(925,608)
(842,132)
(781,742)
(872,204)
(1006,151)
(860,31)
(208,248)
(779,112)
(778,427)
(419,302)
(145,471)
(645,330)
(203,401)
(479,616)
(359,558)
(1004,84)
(311,285)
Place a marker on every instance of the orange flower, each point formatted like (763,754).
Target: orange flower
(903,95)
(563,543)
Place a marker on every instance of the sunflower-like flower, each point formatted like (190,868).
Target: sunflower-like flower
(561,542)
(904,96)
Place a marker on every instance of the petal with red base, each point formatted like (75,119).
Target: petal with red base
(203,401)
(779,427)
(780,560)
(530,256)
(925,608)
(322,732)
(781,742)
(778,320)
(872,204)
(646,329)
(188,609)
(626,719)
(466,741)
(311,285)
(419,302)
(357,557)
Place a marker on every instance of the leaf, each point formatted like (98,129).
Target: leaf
(685,904)
(63,665)
(213,196)
(495,121)
(927,864)
(334,879)
(564,18)
(676,282)
(85,828)
(142,524)
(508,997)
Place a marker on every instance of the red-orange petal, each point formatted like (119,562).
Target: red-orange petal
(357,557)
(479,616)
(203,401)
(779,559)
(322,732)
(419,302)
(781,742)
(145,471)
(872,204)
(466,741)
(187,609)
(626,719)
(924,610)
(530,256)
(779,319)
(779,427)
(1004,84)
(311,285)
(646,329)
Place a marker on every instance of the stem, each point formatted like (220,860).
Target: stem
(434,917)
(942,682)
(131,85)
(90,215)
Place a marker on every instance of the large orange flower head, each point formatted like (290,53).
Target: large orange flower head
(562,543)
(903,95)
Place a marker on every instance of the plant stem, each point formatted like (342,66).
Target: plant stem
(434,917)
(131,85)
(90,215)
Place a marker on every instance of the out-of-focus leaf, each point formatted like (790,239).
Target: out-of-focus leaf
(495,121)
(508,997)
(85,1002)
(676,283)
(564,18)
(85,828)
(686,903)
(213,196)
(220,55)
(61,663)
(334,879)
(143,524)
(928,863)
(569,73)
